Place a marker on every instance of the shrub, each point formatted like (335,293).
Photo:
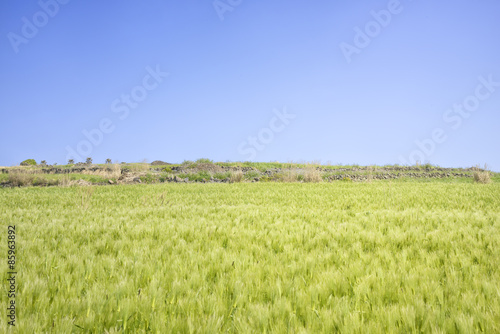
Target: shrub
(28,162)
(187,163)
(159,163)
(291,176)
(251,175)
(278,177)
(197,177)
(164,177)
(263,169)
(369,175)
(222,176)
(167,169)
(148,178)
(312,174)
(265,178)
(236,176)
(427,165)
(20,179)
(193,177)
(44,181)
(204,161)
(189,176)
(114,171)
(482,175)
(204,175)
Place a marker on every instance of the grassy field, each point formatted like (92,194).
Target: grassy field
(256,257)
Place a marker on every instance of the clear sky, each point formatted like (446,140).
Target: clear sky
(371,82)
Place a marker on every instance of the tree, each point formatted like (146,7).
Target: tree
(108,161)
(88,161)
(43,163)
(71,162)
(28,162)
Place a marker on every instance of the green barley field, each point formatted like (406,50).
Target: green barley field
(379,257)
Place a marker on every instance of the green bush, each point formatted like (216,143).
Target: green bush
(190,176)
(222,176)
(204,161)
(149,178)
(427,166)
(265,178)
(251,175)
(197,177)
(279,177)
(28,162)
(164,177)
(263,169)
(95,179)
(44,181)
(204,175)
(20,179)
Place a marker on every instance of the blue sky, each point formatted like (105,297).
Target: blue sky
(373,82)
